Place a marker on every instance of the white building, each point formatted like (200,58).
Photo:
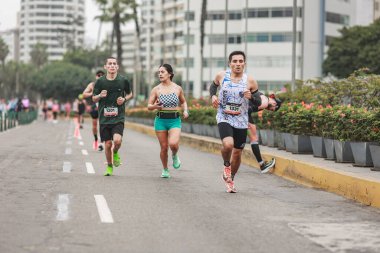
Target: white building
(265,34)
(11,38)
(59,24)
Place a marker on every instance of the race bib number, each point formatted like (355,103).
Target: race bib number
(232,108)
(110,111)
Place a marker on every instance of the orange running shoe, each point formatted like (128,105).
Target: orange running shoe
(226,176)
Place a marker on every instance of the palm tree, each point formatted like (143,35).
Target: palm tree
(39,54)
(202,28)
(115,11)
(4,51)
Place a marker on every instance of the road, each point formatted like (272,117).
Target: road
(54,198)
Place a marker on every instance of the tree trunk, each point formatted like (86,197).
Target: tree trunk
(118,41)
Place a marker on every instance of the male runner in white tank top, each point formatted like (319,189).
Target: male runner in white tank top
(236,89)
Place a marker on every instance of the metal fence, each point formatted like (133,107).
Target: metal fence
(11,119)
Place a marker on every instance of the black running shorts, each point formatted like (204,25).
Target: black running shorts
(108,130)
(94,114)
(239,135)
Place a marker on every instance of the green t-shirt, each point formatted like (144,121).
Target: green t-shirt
(109,111)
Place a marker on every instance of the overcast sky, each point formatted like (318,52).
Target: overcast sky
(8,19)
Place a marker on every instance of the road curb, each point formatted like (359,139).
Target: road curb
(363,190)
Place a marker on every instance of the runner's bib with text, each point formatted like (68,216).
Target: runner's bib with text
(232,108)
(110,111)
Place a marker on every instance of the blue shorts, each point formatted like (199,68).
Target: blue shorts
(166,124)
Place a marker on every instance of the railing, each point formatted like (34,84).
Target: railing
(11,119)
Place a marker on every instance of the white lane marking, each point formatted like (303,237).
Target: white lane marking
(68,142)
(84,152)
(66,167)
(342,237)
(81,143)
(103,210)
(90,168)
(63,207)
(68,151)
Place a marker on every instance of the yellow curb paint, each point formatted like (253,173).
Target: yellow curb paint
(363,190)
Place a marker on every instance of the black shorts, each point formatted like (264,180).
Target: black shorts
(94,114)
(239,135)
(108,130)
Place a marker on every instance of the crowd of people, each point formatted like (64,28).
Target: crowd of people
(15,105)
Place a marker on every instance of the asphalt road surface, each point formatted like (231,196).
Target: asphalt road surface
(54,198)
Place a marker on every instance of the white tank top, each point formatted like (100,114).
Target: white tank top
(233,107)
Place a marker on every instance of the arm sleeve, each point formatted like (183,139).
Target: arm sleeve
(213,89)
(255,98)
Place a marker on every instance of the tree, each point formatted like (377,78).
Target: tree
(358,47)
(61,80)
(16,79)
(87,58)
(39,55)
(4,51)
(115,11)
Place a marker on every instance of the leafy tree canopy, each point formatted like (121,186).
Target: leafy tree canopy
(62,80)
(39,55)
(4,51)
(91,59)
(358,47)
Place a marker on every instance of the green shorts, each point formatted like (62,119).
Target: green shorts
(166,124)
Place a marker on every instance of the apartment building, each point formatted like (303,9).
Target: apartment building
(59,24)
(11,38)
(262,28)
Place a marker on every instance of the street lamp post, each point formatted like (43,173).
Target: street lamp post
(294,41)
(225,32)
(187,90)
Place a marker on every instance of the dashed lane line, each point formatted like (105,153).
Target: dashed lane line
(68,151)
(103,210)
(66,167)
(90,168)
(63,203)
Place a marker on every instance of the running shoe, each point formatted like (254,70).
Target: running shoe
(266,166)
(232,187)
(109,171)
(165,173)
(226,176)
(176,162)
(100,148)
(116,159)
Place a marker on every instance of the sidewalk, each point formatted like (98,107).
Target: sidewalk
(357,183)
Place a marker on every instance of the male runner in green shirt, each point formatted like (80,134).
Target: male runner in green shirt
(112,91)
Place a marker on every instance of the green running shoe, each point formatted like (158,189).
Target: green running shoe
(116,159)
(176,162)
(109,171)
(165,173)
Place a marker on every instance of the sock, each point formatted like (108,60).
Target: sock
(256,151)
(96,137)
(227,163)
